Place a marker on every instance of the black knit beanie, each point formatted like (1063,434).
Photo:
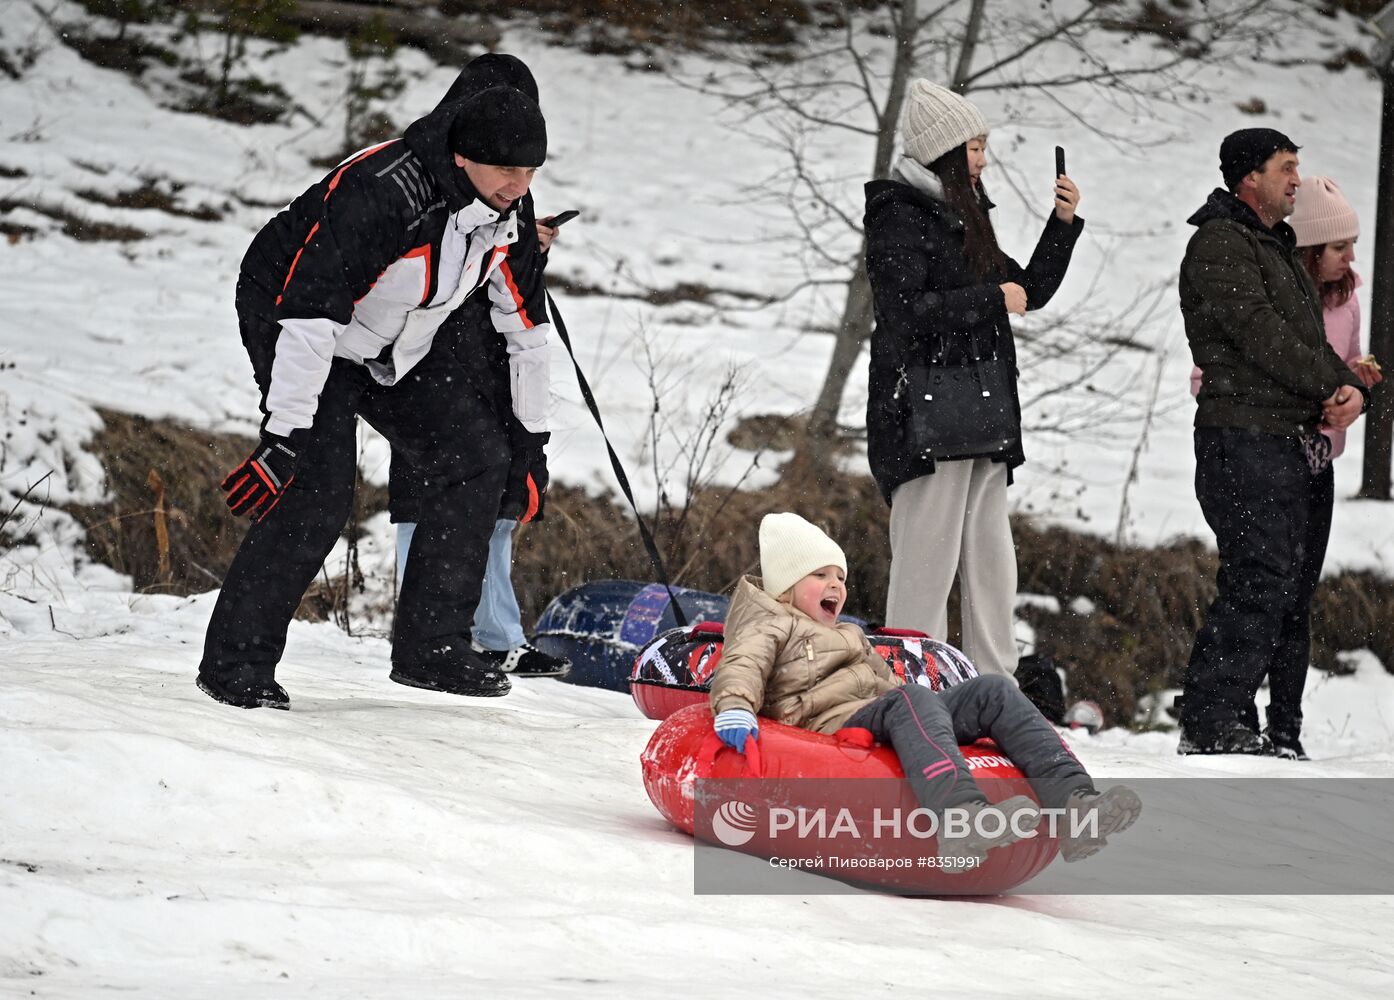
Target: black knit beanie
(501,127)
(498,69)
(1248,150)
(493,69)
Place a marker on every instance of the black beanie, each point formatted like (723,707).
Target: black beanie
(497,69)
(493,69)
(501,127)
(1248,150)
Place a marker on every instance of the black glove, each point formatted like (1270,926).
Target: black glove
(258,484)
(525,490)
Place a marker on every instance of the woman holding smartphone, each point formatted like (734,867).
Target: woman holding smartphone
(944,291)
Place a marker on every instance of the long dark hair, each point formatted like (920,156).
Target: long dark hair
(985,257)
(1333,293)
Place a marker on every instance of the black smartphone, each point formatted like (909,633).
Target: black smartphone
(557,220)
(1059,161)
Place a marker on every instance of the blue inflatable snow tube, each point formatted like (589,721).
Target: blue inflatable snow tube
(601,626)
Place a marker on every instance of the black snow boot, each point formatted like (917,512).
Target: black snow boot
(1225,737)
(1286,738)
(453,669)
(244,687)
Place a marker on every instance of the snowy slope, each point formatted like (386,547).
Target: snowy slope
(376,836)
(378,840)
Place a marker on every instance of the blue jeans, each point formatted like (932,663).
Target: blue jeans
(498,624)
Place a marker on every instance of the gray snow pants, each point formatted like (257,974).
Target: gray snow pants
(925,728)
(954,523)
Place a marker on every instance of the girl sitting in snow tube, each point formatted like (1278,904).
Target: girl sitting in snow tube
(800,770)
(675,669)
(786,655)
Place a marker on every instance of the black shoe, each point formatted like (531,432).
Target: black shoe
(453,671)
(1285,744)
(245,688)
(1225,737)
(526,661)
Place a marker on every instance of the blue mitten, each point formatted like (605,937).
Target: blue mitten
(734,725)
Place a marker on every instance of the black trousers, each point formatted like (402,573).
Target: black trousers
(468,336)
(1271,519)
(450,434)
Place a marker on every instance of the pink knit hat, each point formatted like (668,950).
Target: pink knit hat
(1322,214)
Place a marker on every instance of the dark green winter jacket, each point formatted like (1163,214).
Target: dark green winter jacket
(1254,321)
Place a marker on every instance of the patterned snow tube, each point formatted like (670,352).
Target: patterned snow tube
(675,669)
(602,625)
(684,748)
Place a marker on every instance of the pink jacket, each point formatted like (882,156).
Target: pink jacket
(1343,334)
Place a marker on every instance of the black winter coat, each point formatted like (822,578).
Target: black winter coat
(1254,321)
(932,308)
(368,264)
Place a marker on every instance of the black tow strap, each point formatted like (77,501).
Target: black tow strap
(589,397)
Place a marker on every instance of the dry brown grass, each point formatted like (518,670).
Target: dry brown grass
(1148,602)
(200,537)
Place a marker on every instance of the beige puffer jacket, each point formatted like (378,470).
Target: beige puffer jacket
(778,662)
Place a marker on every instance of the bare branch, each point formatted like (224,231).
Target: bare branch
(859,62)
(9,515)
(968,47)
(933,15)
(1061,28)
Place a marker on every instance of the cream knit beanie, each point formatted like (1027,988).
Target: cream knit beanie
(936,120)
(1322,214)
(791,548)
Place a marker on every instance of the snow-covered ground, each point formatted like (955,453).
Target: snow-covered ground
(377,838)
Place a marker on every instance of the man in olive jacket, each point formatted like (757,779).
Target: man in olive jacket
(1253,318)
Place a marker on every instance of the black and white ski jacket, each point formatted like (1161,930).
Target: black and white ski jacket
(367,265)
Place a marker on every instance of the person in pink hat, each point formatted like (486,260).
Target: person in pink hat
(1326,228)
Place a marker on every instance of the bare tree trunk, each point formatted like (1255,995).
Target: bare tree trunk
(220,96)
(970,45)
(852,332)
(818,443)
(1379,423)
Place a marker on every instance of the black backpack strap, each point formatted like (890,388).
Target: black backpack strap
(589,397)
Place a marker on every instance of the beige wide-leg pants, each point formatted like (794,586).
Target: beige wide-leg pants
(954,522)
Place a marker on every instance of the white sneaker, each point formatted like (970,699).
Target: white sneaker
(526,661)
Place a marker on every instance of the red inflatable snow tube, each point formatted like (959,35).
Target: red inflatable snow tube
(684,748)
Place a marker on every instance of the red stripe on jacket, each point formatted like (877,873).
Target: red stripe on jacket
(513,290)
(423,251)
(333,183)
(296,260)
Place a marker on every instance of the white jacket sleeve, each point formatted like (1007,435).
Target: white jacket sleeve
(519,312)
(304,352)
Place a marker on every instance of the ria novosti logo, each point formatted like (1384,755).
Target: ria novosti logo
(734,823)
